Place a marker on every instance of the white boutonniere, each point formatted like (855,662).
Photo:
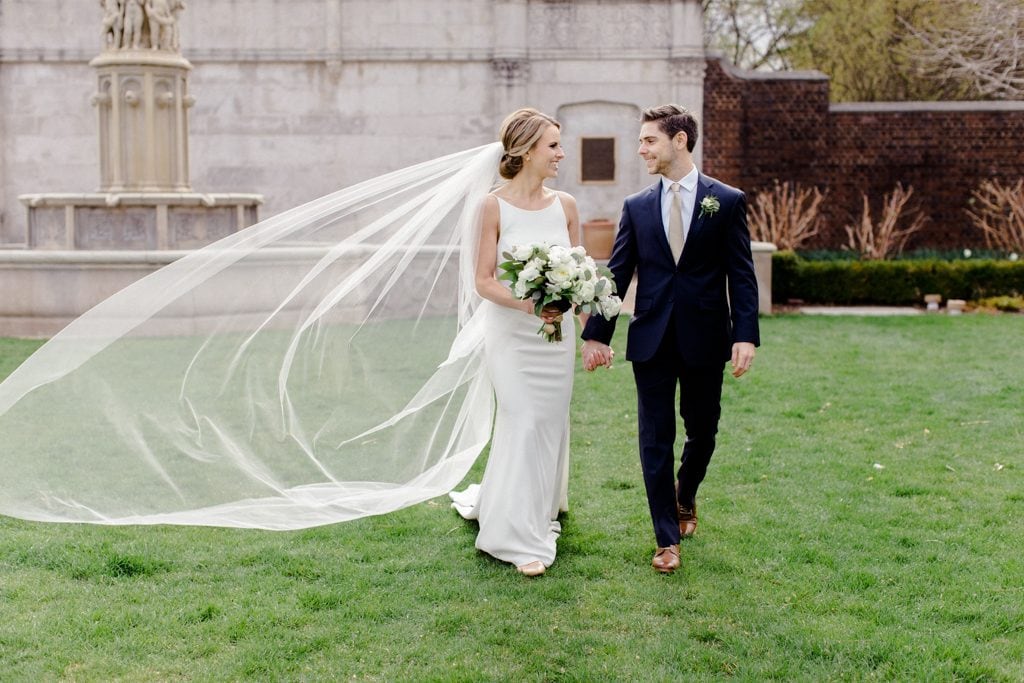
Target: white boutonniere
(709,206)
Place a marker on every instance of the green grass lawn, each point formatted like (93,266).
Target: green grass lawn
(863,518)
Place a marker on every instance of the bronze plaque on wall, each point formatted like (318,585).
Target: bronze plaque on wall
(597,160)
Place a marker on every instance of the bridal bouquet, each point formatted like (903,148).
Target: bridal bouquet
(563,276)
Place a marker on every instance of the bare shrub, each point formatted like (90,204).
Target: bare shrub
(998,211)
(787,215)
(885,238)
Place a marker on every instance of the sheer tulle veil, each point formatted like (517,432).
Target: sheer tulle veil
(322,365)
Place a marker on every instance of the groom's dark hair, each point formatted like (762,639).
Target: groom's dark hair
(671,119)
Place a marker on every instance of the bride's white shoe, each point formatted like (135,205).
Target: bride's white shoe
(535,568)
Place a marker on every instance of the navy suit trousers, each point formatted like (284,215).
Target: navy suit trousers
(700,397)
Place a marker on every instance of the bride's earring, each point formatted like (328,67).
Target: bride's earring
(527,158)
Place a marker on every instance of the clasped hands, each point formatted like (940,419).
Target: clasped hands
(596,354)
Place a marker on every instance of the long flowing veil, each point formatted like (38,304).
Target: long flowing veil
(321,365)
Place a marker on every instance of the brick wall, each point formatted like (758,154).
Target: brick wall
(762,127)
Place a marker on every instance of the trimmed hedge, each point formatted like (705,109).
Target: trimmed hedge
(891,283)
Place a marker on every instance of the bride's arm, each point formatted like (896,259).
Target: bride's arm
(572,217)
(487,285)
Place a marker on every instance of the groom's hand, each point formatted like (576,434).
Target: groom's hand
(742,357)
(596,354)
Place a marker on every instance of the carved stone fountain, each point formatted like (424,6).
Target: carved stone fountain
(83,247)
(145,199)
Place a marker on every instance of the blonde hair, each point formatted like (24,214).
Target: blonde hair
(519,132)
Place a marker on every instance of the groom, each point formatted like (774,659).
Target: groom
(686,240)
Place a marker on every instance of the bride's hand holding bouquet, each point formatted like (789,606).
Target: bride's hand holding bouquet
(557,279)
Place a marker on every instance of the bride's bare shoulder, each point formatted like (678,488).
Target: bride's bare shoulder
(566,197)
(568,201)
(489,207)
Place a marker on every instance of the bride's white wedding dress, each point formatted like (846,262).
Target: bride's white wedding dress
(525,482)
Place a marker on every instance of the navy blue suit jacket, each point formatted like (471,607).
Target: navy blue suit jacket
(709,297)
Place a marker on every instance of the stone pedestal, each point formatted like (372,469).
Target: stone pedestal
(142,101)
(139,220)
(762,255)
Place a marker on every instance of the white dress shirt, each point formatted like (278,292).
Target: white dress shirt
(687,198)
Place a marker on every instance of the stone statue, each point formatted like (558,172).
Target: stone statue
(177,7)
(133,21)
(113,23)
(161,24)
(139,24)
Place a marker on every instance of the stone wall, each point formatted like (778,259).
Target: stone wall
(762,127)
(297,99)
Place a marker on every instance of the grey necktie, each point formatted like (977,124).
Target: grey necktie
(675,224)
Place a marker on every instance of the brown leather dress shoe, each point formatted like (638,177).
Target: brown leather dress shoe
(687,520)
(666,560)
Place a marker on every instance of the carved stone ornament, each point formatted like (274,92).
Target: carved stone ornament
(511,71)
(688,69)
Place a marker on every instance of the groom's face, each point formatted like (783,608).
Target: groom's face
(656,149)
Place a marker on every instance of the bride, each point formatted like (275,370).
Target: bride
(525,482)
(331,362)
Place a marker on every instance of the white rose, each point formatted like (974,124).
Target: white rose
(586,290)
(560,256)
(560,274)
(522,252)
(558,251)
(529,273)
(519,289)
(610,307)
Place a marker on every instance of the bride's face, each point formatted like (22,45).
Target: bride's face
(546,153)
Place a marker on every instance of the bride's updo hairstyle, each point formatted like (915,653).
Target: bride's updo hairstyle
(519,132)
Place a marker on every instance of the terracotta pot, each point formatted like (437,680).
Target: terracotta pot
(598,238)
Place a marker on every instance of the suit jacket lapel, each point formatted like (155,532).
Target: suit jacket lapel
(696,220)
